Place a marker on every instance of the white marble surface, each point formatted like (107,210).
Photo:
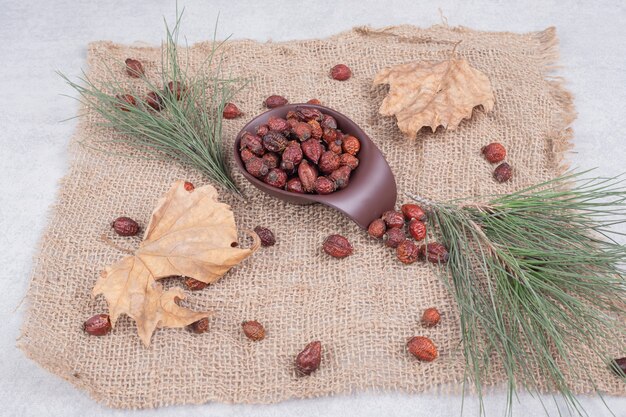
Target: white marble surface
(39,37)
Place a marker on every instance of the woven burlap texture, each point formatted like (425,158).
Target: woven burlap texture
(363,308)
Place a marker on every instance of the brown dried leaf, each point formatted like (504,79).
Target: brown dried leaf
(189,234)
(433,93)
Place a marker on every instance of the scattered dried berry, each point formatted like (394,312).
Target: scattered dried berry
(340,72)
(195,285)
(134,68)
(253,330)
(154,100)
(125,226)
(274,141)
(189,186)
(431,317)
(619,366)
(324,185)
(256,167)
(434,253)
(377,228)
(314,101)
(329,161)
(252,142)
(395,236)
(407,252)
(271,160)
(417,229)
(413,211)
(337,246)
(351,145)
(503,172)
(394,219)
(494,152)
(307,174)
(278,124)
(200,326)
(231,111)
(275,101)
(350,161)
(176,89)
(126,101)
(266,236)
(98,325)
(276,177)
(341,177)
(310,358)
(295,186)
(422,348)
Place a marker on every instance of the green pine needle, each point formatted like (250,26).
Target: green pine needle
(536,275)
(187,130)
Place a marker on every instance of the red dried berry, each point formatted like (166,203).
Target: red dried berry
(328,121)
(329,161)
(395,236)
(393,219)
(246,154)
(200,326)
(503,172)
(125,226)
(274,101)
(434,253)
(252,142)
(301,130)
(307,174)
(335,147)
(134,68)
(337,246)
(256,167)
(413,211)
(323,185)
(314,101)
(422,348)
(494,152)
(154,100)
(619,366)
(231,111)
(189,186)
(278,124)
(316,130)
(407,252)
(126,101)
(98,325)
(351,161)
(312,149)
(266,236)
(274,141)
(176,89)
(253,330)
(417,229)
(377,228)
(276,177)
(271,160)
(340,72)
(341,177)
(193,284)
(310,358)
(329,135)
(295,186)
(308,113)
(351,145)
(262,130)
(431,317)
(293,153)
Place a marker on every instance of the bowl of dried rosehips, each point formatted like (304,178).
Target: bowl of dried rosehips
(306,153)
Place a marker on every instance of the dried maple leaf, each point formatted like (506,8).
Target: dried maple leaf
(189,234)
(433,93)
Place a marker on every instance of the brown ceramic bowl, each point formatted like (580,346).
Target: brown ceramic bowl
(372,187)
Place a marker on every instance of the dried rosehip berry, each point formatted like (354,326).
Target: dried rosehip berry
(312,149)
(154,100)
(341,177)
(125,226)
(262,130)
(503,172)
(278,124)
(619,366)
(323,185)
(252,142)
(394,219)
(314,101)
(293,153)
(246,154)
(134,68)
(351,145)
(417,229)
(295,186)
(292,115)
(310,358)
(253,330)
(407,252)
(274,101)
(377,228)
(189,186)
(340,72)
(301,130)
(307,174)
(200,326)
(256,167)
(422,348)
(98,325)
(276,177)
(329,135)
(195,285)
(308,113)
(329,161)
(176,89)
(431,317)
(395,236)
(434,253)
(231,111)
(337,246)
(316,130)
(350,161)
(271,160)
(328,121)
(266,236)
(335,147)
(126,101)
(494,152)
(413,211)
(288,167)
(274,141)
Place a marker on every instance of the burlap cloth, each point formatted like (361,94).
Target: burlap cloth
(363,308)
